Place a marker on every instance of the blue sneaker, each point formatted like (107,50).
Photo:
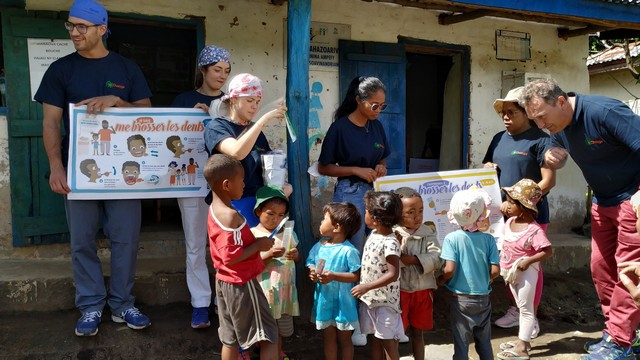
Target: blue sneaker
(88,323)
(635,346)
(133,317)
(612,351)
(200,318)
(595,345)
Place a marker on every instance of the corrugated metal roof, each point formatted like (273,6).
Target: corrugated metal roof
(615,53)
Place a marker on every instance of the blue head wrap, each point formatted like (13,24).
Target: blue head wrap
(89,10)
(213,54)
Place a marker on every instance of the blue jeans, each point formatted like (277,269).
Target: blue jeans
(347,190)
(121,223)
(471,321)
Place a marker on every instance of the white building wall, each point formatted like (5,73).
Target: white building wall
(253,30)
(618,84)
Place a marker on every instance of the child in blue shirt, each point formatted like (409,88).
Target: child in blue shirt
(334,265)
(471,263)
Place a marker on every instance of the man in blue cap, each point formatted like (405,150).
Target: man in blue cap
(98,78)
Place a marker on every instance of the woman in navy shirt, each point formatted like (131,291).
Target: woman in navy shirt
(517,153)
(214,66)
(233,133)
(355,147)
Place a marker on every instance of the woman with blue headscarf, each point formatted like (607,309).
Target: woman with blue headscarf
(214,66)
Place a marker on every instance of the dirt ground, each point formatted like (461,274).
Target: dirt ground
(569,315)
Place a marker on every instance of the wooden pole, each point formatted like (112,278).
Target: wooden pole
(297,97)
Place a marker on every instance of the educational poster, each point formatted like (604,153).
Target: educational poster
(437,189)
(136,153)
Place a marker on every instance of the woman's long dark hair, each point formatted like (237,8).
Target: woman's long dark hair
(361,86)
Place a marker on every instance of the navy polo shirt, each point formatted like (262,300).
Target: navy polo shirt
(518,157)
(603,138)
(74,78)
(347,144)
(219,129)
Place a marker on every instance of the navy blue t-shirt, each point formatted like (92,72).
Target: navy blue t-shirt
(189,99)
(221,128)
(348,144)
(603,138)
(518,157)
(74,78)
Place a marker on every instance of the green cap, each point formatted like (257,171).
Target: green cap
(269,192)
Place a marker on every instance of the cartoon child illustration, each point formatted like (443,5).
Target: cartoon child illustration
(131,172)
(105,137)
(95,142)
(173,166)
(175,145)
(90,169)
(137,145)
(178,177)
(183,171)
(191,171)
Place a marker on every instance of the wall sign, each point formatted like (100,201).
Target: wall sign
(42,52)
(323,47)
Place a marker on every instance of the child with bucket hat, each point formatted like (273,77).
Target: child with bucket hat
(471,263)
(278,280)
(525,245)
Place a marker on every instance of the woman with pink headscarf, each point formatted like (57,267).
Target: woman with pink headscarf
(232,132)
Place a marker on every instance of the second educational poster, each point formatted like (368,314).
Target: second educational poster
(437,189)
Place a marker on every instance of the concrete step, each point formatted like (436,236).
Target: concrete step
(37,284)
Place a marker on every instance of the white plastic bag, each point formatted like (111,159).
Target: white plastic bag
(274,168)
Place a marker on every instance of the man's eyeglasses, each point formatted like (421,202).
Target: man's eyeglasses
(376,106)
(82,28)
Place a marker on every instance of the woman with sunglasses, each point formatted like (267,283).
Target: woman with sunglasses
(355,146)
(517,153)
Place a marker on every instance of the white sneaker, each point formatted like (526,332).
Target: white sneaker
(510,319)
(403,339)
(359,339)
(536,330)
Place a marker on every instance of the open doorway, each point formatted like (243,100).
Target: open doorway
(166,53)
(426,77)
(437,106)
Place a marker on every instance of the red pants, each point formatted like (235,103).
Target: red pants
(614,240)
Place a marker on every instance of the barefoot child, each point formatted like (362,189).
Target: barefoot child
(471,263)
(278,280)
(379,287)
(334,265)
(243,311)
(524,246)
(419,260)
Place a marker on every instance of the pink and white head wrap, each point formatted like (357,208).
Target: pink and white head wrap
(244,85)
